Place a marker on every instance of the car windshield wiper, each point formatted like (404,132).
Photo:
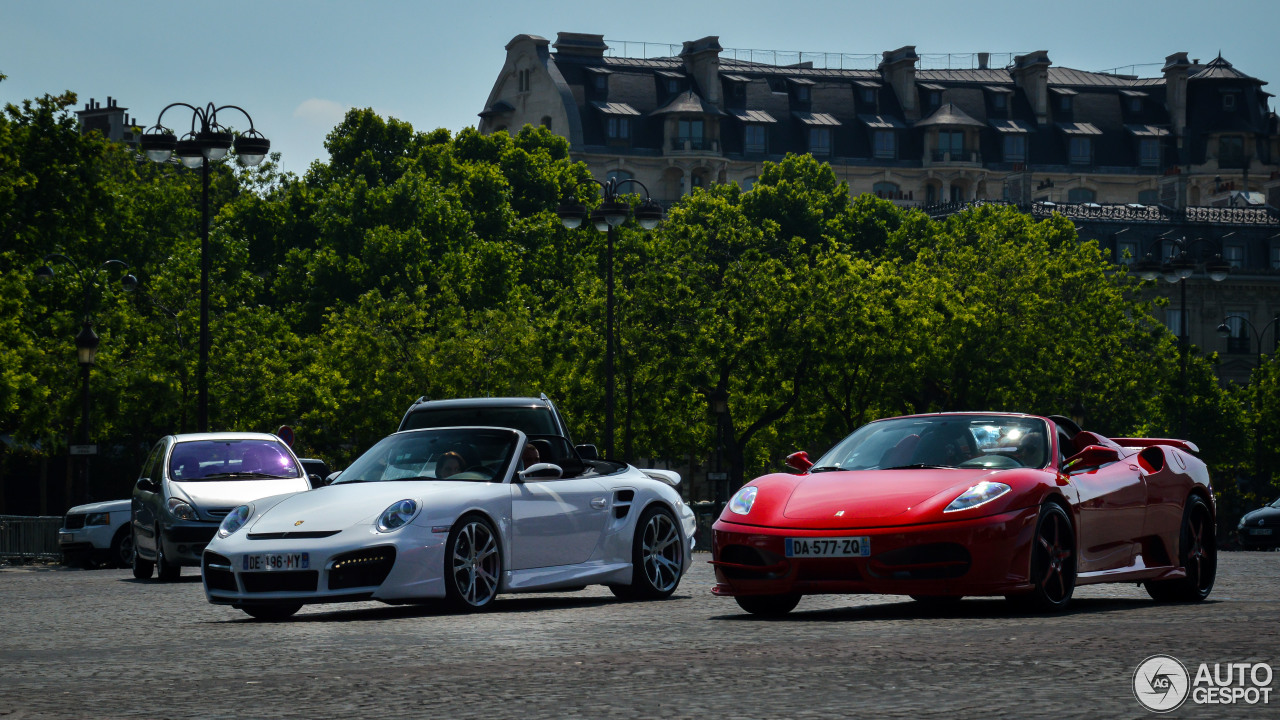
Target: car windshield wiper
(825,468)
(917,466)
(235,475)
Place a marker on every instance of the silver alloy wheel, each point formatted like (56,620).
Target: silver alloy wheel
(476,563)
(660,552)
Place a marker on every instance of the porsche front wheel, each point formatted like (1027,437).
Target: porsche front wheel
(657,557)
(1053,562)
(473,564)
(768,605)
(1197,553)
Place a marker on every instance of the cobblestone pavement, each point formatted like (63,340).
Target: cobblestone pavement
(99,644)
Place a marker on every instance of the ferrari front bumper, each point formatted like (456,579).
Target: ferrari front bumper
(981,556)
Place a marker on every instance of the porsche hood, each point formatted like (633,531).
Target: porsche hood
(338,507)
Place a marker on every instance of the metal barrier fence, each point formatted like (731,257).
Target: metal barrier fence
(26,537)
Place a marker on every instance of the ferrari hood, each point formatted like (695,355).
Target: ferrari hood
(341,506)
(874,495)
(230,493)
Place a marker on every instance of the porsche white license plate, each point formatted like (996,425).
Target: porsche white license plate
(1260,531)
(276,561)
(829,547)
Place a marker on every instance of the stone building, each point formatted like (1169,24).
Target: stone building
(1137,162)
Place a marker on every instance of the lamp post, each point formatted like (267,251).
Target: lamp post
(1224,330)
(86,344)
(206,141)
(1176,269)
(719,399)
(611,213)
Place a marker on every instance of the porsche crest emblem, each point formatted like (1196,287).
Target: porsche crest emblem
(299,523)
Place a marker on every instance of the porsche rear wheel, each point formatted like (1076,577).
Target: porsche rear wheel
(473,564)
(271,613)
(657,557)
(768,605)
(1053,562)
(1197,552)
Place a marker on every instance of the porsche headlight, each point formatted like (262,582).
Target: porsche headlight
(743,500)
(235,520)
(97,519)
(181,510)
(980,494)
(398,515)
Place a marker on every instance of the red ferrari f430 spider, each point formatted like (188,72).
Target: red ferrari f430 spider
(946,505)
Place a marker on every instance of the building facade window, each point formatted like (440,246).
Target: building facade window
(1173,321)
(1231,150)
(1238,340)
(957,194)
(820,141)
(1015,148)
(524,80)
(869,97)
(1229,101)
(1080,150)
(1149,152)
(619,128)
(1064,103)
(950,142)
(749,182)
(601,82)
(886,145)
(753,139)
(1135,104)
(1234,255)
(618,175)
(885,189)
(1081,195)
(1275,256)
(1126,251)
(999,101)
(690,132)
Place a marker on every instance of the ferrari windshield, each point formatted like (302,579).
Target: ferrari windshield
(231,460)
(947,441)
(455,454)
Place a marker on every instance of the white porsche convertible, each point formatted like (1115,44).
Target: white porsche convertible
(457,513)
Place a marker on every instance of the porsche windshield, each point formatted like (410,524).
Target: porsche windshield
(455,454)
(231,460)
(946,441)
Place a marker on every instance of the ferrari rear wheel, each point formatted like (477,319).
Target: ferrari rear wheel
(768,605)
(1197,552)
(1053,562)
(273,612)
(657,557)
(473,564)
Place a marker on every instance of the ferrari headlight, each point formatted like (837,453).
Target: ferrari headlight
(235,520)
(181,510)
(97,519)
(980,494)
(398,515)
(743,500)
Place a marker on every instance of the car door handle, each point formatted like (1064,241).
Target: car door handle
(599,503)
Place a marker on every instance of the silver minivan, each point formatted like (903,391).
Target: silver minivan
(190,482)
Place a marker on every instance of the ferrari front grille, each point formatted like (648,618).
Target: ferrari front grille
(362,568)
(934,561)
(739,555)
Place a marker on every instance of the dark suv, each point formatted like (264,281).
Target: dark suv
(535,417)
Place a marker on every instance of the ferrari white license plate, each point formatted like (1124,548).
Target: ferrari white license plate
(1260,531)
(276,561)
(829,547)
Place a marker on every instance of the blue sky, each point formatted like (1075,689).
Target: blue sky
(297,66)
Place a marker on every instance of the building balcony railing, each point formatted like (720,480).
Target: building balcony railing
(694,144)
(946,157)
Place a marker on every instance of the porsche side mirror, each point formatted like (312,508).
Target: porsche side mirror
(1090,458)
(587,452)
(799,461)
(541,471)
(332,476)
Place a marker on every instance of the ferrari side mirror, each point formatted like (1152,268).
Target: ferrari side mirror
(1091,458)
(799,461)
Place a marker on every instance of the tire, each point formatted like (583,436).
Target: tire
(122,547)
(768,605)
(472,564)
(272,613)
(141,568)
(657,557)
(165,570)
(1053,563)
(1197,552)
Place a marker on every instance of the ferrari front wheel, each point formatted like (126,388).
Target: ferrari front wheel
(1053,562)
(473,564)
(1198,555)
(768,605)
(657,557)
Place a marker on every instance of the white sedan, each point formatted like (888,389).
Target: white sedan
(453,513)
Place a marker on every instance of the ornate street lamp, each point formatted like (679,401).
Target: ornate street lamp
(611,213)
(206,141)
(1261,474)
(86,341)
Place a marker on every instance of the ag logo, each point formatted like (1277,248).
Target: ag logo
(1161,683)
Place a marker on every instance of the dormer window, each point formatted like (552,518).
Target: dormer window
(1064,103)
(1063,99)
(1229,102)
(600,83)
(618,128)
(801,91)
(524,80)
(999,101)
(869,96)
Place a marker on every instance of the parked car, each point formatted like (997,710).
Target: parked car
(97,533)
(1260,529)
(537,418)
(453,513)
(189,483)
(946,505)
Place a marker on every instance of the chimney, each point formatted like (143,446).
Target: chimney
(580,45)
(899,70)
(983,59)
(1175,71)
(702,63)
(1031,73)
